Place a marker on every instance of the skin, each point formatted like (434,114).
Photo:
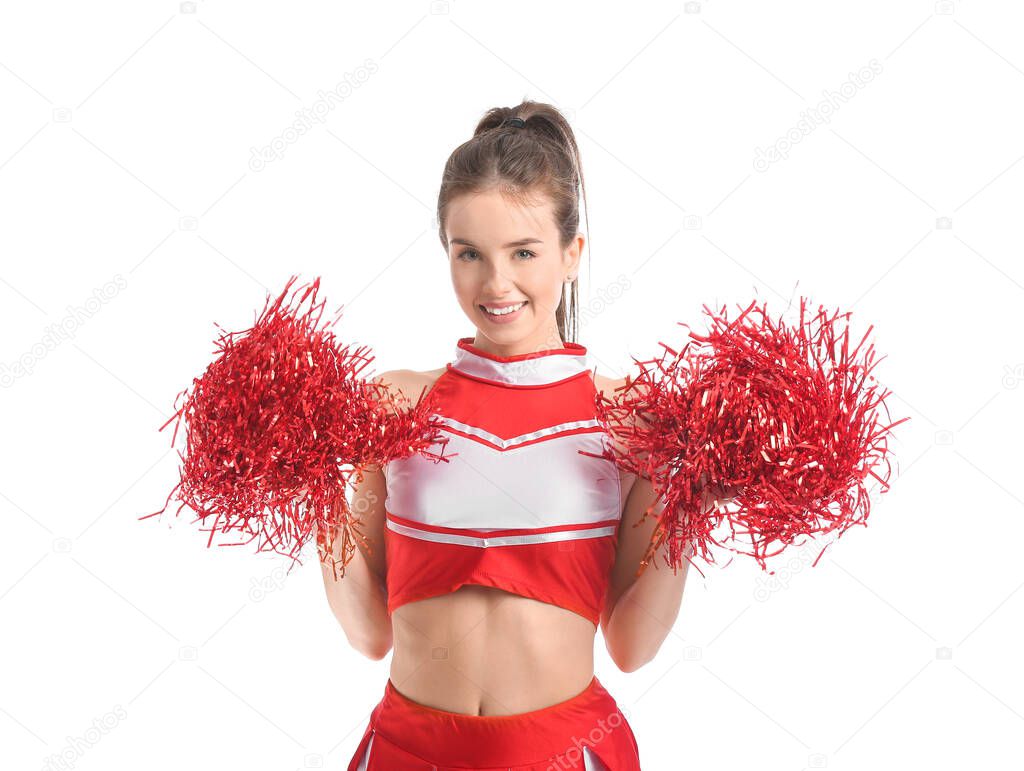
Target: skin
(488,266)
(481,650)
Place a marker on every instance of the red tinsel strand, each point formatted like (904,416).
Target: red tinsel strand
(783,416)
(278,424)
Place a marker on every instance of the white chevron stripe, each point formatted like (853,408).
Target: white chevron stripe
(522,438)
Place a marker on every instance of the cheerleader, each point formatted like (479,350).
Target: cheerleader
(500,563)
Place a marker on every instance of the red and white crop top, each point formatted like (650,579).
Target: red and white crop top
(517,506)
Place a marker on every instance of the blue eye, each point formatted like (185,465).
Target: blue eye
(527,251)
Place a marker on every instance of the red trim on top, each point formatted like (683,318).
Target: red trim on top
(509,585)
(570,349)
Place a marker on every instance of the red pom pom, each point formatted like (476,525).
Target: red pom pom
(278,424)
(783,418)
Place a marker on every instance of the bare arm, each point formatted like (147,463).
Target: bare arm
(359,599)
(640,611)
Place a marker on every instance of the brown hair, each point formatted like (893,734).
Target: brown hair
(541,156)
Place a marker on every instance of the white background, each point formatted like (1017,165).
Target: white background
(131,216)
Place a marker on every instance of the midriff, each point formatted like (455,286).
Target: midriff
(484,651)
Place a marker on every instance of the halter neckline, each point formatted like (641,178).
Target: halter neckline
(540,367)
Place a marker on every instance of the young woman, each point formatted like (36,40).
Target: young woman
(501,562)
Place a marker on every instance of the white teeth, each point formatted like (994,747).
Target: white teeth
(503,311)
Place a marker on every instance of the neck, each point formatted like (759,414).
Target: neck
(545,340)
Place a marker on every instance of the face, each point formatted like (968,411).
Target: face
(503,254)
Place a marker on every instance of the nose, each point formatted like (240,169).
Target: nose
(496,280)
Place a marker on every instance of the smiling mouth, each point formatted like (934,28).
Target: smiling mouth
(505,311)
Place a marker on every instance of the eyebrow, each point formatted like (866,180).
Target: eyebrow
(520,242)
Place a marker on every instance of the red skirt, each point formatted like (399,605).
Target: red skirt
(587,731)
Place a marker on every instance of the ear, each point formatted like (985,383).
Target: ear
(571,258)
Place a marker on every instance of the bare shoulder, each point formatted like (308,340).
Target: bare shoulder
(406,385)
(608,386)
